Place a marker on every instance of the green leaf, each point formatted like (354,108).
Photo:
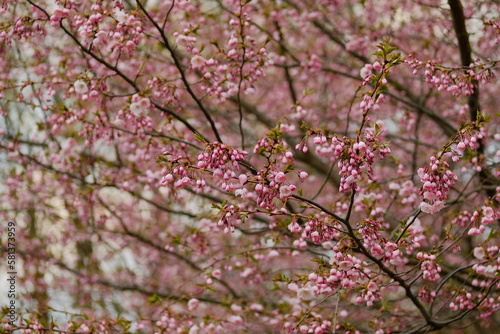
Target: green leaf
(199,137)
(281,278)
(289,167)
(153,299)
(493,235)
(177,240)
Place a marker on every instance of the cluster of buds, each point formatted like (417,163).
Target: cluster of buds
(366,72)
(217,156)
(57,15)
(268,191)
(486,217)
(220,159)
(318,231)
(268,145)
(463,301)
(169,323)
(438,179)
(316,327)
(353,156)
(179,168)
(429,267)
(456,81)
(345,272)
(231,217)
(426,296)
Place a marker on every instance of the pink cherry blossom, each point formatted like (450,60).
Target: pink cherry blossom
(250,166)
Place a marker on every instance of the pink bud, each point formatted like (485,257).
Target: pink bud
(243,178)
(280,177)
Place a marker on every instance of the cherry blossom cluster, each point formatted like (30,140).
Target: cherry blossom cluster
(456,81)
(318,230)
(437,179)
(316,327)
(346,271)
(221,160)
(179,168)
(272,145)
(222,81)
(429,267)
(488,271)
(486,217)
(121,32)
(231,217)
(57,15)
(354,156)
(463,301)
(416,237)
(106,87)
(140,106)
(24,27)
(480,253)
(269,190)
(468,138)
(426,296)
(377,245)
(169,323)
(367,70)
(369,294)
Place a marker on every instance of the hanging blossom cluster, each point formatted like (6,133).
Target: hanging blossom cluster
(110,31)
(272,182)
(429,267)
(487,266)
(218,158)
(348,273)
(456,81)
(319,229)
(486,217)
(354,156)
(437,179)
(276,188)
(231,217)
(316,327)
(378,245)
